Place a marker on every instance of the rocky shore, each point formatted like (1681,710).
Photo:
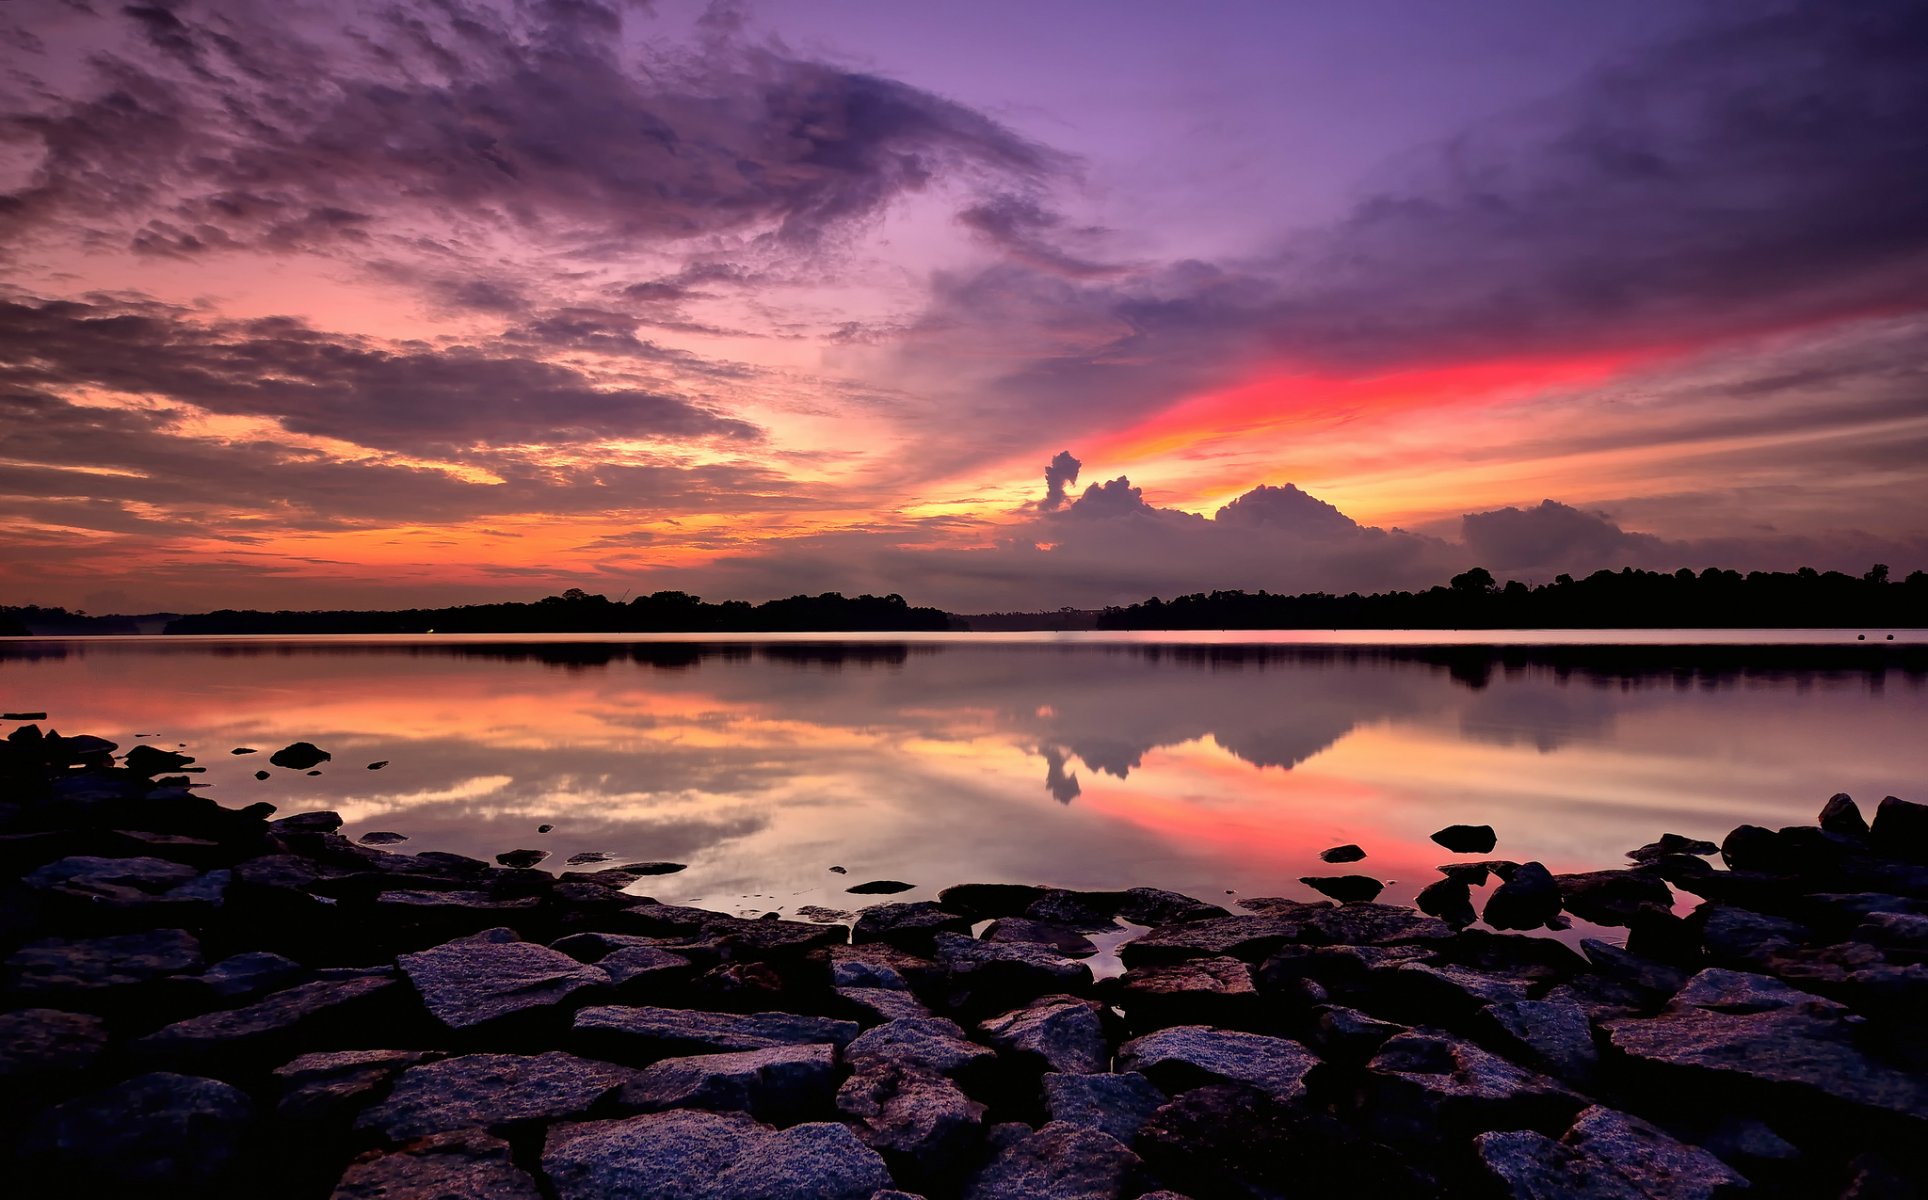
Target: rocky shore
(209,1002)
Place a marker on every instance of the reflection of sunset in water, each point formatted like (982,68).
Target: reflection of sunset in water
(1088,766)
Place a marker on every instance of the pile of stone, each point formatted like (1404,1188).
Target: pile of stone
(210,1002)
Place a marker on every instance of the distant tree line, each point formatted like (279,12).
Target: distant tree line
(1712,599)
(577,611)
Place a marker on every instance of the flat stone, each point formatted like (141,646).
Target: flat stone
(521,859)
(638,972)
(1671,844)
(934,1043)
(1427,1086)
(876,965)
(643,1033)
(152,1133)
(1062,939)
(493,1091)
(1199,991)
(1374,925)
(465,1162)
(921,1122)
(782,1084)
(331,1086)
(1187,1056)
(1606,1155)
(1346,889)
(1285,906)
(1092,911)
(1552,1035)
(876,1005)
(1342,854)
(1016,971)
(251,973)
(1157,906)
(879,887)
(300,756)
(694,1155)
(1248,938)
(909,925)
(980,900)
(1115,1105)
(110,878)
(39,1044)
(1063,1032)
(1059,1162)
(271,1028)
(61,966)
(1611,897)
(1348,1035)
(307,822)
(1467,839)
(472,984)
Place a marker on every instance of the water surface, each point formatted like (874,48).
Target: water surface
(1204,763)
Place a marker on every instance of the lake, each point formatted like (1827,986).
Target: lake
(1209,764)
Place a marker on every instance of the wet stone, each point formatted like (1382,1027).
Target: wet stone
(465,1162)
(879,887)
(1116,1105)
(299,756)
(1247,938)
(1611,897)
(1528,900)
(1374,925)
(1467,839)
(1187,1056)
(1059,1162)
(781,1084)
(471,984)
(937,1044)
(909,925)
(1670,844)
(494,1091)
(1342,854)
(921,1122)
(1346,889)
(1063,1033)
(1064,939)
(520,859)
(1200,991)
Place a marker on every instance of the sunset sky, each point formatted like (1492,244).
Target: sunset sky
(992,304)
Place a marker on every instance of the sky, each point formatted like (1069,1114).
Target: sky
(993,305)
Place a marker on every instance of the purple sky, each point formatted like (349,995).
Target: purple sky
(410,303)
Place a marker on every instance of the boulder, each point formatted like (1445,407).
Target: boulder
(645,1034)
(1467,839)
(989,977)
(492,1091)
(521,859)
(465,1162)
(91,971)
(980,900)
(474,984)
(696,1155)
(1342,854)
(1116,1105)
(1425,1086)
(1373,925)
(1528,900)
(1199,991)
(1062,1033)
(1247,938)
(1187,1056)
(156,1133)
(1611,897)
(300,756)
(1059,1162)
(1900,830)
(1451,900)
(933,1043)
(1156,906)
(1606,1155)
(274,1028)
(925,1127)
(873,1006)
(1841,815)
(1346,889)
(41,1046)
(1553,1035)
(1670,845)
(879,887)
(1086,911)
(1061,939)
(911,926)
(780,1085)
(331,1086)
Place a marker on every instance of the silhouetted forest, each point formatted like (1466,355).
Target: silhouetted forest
(1713,599)
(576,611)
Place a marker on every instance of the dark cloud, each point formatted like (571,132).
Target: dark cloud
(1285,507)
(410,398)
(1060,473)
(1029,233)
(1510,539)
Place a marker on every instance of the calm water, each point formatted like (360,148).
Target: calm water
(1080,760)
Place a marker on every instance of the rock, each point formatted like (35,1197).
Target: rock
(465,1162)
(1083,910)
(1526,901)
(817,912)
(271,1029)
(879,966)
(1285,907)
(153,1133)
(1467,839)
(781,1085)
(44,1045)
(249,974)
(382,837)
(879,887)
(1900,830)
(1346,889)
(1115,1105)
(1373,925)
(1754,848)
(378,764)
(651,868)
(89,971)
(936,1044)
(922,1123)
(1553,1035)
(90,878)
(470,985)
(1342,854)
(1606,1155)
(1247,938)
(1669,845)
(1200,991)
(990,900)
(839,870)
(771,937)
(1064,939)
(1441,992)
(877,1005)
(644,1034)
(1063,1033)
(911,926)
(695,1155)
(307,822)
(1187,1056)
(1729,1029)
(330,1087)
(1632,970)
(300,756)
(1738,938)
(1450,900)
(1348,1035)
(1611,897)
(493,1091)
(521,859)
(150,761)
(993,977)
(1425,1086)
(1841,815)
(1059,1162)
(261,775)
(640,972)
(1156,906)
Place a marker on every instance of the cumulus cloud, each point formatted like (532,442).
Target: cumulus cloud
(1507,539)
(1060,473)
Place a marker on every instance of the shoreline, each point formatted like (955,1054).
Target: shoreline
(233,1002)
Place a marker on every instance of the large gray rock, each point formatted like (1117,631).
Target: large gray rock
(1426,1086)
(782,1084)
(921,1122)
(271,1029)
(1187,1056)
(54,967)
(152,1133)
(1115,1105)
(1059,1162)
(492,1091)
(466,1162)
(473,983)
(1729,1029)
(644,1034)
(694,1155)
(1606,1155)
(934,1043)
(1063,1033)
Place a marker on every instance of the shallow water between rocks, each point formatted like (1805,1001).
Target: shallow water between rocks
(1218,765)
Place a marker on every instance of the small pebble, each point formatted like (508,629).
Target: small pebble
(376,766)
(544,828)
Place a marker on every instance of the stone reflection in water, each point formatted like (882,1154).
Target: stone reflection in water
(1196,768)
